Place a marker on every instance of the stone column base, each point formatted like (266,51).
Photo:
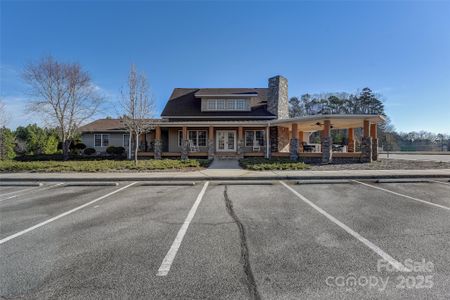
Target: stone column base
(327,153)
(211,149)
(185,150)
(374,149)
(293,149)
(366,149)
(240,148)
(157,149)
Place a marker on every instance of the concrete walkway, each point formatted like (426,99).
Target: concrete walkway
(225,167)
(230,174)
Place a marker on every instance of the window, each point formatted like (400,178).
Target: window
(254,137)
(227,104)
(101,140)
(220,104)
(198,137)
(97,140)
(126,140)
(180,138)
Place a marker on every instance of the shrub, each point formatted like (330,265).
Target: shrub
(89,151)
(120,151)
(259,164)
(79,146)
(111,150)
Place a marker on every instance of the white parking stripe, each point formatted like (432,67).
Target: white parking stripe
(396,264)
(170,256)
(401,195)
(436,181)
(62,215)
(26,191)
(19,191)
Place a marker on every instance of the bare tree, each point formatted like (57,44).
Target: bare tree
(63,94)
(138,107)
(3,116)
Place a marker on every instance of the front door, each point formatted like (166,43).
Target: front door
(226,140)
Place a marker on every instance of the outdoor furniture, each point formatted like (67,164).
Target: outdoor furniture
(337,148)
(256,146)
(308,148)
(192,147)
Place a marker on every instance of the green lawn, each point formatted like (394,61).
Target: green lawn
(260,164)
(101,165)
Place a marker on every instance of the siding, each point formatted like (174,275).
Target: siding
(115,139)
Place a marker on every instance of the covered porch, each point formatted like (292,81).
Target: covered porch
(293,138)
(204,139)
(290,138)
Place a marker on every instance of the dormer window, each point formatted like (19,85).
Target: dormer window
(227,104)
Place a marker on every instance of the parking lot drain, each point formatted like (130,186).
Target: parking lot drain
(245,260)
(91,184)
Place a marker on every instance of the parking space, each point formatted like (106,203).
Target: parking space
(224,241)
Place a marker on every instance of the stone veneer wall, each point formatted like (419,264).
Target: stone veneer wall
(277,97)
(283,139)
(158,149)
(327,154)
(366,149)
(374,149)
(185,150)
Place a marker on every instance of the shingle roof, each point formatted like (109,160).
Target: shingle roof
(104,125)
(184,102)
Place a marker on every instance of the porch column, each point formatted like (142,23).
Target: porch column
(268,151)
(293,143)
(366,143)
(373,135)
(185,144)
(300,141)
(157,148)
(327,143)
(211,147)
(240,142)
(351,140)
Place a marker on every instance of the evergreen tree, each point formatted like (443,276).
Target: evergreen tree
(7,144)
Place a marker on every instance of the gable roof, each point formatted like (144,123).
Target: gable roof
(186,103)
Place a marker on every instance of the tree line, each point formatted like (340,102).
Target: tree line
(366,102)
(65,97)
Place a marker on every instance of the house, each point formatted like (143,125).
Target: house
(239,122)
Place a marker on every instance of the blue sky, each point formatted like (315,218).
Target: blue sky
(399,49)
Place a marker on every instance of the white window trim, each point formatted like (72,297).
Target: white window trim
(127,144)
(212,104)
(101,139)
(179,137)
(254,137)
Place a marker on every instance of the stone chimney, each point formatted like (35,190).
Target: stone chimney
(277,97)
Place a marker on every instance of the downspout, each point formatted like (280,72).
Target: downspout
(267,140)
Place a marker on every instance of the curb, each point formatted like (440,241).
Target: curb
(8,184)
(227,178)
(91,183)
(168,183)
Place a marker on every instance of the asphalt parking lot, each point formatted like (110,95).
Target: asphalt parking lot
(222,240)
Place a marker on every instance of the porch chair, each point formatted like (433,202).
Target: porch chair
(192,147)
(256,146)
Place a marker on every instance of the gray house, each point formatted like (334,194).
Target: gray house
(238,122)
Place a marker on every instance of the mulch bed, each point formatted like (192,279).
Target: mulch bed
(384,164)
